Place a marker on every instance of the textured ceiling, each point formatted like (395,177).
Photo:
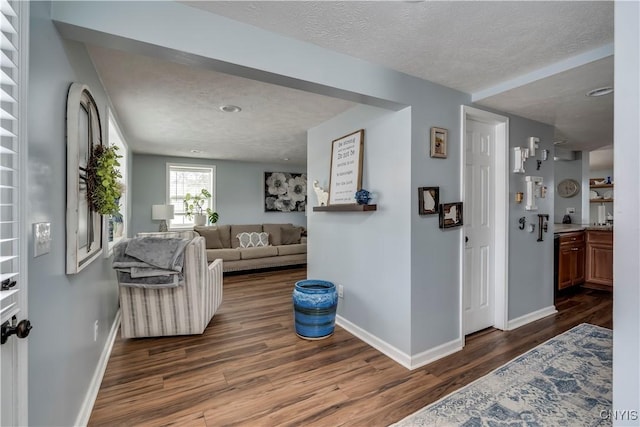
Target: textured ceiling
(586,123)
(468,46)
(171,109)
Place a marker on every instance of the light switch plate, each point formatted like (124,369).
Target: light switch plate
(41,238)
(571,211)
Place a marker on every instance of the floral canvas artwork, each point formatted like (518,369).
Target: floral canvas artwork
(285,192)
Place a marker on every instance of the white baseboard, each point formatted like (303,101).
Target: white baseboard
(375,342)
(436,353)
(98,374)
(531,317)
(409,362)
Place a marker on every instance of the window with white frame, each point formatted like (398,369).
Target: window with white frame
(117,224)
(183,179)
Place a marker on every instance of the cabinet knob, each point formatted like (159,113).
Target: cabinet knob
(575,249)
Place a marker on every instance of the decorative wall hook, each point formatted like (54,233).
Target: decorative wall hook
(519,156)
(543,220)
(533,191)
(545,154)
(519,196)
(533,145)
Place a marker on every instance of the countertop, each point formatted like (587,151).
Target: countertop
(569,228)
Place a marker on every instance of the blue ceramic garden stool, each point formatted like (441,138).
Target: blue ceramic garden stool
(314,308)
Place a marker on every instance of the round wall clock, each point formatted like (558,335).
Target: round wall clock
(568,188)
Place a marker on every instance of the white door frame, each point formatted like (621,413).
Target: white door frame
(501,212)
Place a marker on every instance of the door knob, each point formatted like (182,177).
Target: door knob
(21,330)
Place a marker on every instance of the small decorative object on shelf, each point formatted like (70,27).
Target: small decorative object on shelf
(605,190)
(363,197)
(322,195)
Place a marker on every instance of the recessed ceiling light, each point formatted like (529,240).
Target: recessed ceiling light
(230,108)
(601,91)
(196,151)
(286,159)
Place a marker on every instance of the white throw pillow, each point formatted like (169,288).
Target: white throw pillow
(251,240)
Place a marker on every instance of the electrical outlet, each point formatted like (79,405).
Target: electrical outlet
(95,331)
(340,291)
(571,211)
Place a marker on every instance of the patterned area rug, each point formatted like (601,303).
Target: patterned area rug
(565,381)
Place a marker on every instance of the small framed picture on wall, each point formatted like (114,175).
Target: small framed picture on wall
(428,199)
(439,143)
(451,215)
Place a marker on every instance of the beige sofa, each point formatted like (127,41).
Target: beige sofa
(287,245)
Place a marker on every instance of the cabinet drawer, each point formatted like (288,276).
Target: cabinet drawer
(605,237)
(572,237)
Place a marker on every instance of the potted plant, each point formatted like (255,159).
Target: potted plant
(103,186)
(193,208)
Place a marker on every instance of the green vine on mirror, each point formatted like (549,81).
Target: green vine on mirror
(103,186)
(193,205)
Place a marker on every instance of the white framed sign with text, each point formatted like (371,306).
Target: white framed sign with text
(346,168)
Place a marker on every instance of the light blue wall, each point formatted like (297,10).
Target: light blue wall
(434,255)
(62,308)
(530,262)
(367,252)
(239,190)
(569,169)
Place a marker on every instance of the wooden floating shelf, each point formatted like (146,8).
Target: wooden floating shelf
(601,200)
(601,186)
(345,208)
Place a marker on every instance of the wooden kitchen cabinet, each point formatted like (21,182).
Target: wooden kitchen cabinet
(571,260)
(599,272)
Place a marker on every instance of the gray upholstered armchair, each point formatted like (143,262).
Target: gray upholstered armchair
(182,310)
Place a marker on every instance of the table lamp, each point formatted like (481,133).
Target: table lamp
(162,213)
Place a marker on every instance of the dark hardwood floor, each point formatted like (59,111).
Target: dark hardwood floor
(249,367)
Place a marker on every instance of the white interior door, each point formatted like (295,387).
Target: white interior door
(478,273)
(13,166)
